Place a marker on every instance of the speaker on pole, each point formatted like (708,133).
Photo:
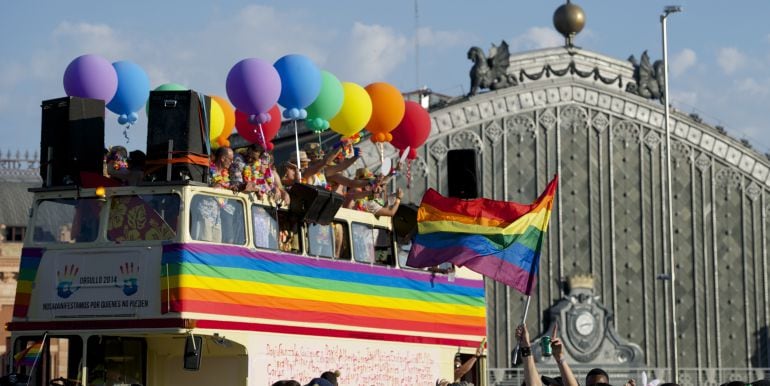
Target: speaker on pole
(177,136)
(461,173)
(71,139)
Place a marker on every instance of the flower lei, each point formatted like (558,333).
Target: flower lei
(219,176)
(253,173)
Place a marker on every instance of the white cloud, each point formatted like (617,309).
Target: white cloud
(372,53)
(683,61)
(730,59)
(684,100)
(536,38)
(752,87)
(90,38)
(442,39)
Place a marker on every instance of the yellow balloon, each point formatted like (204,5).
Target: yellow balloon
(355,112)
(216,121)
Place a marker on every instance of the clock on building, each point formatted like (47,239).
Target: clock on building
(585,323)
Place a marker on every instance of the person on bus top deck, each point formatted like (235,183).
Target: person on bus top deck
(291,172)
(259,174)
(331,173)
(372,198)
(219,170)
(117,163)
(315,172)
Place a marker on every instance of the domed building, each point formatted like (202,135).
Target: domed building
(604,278)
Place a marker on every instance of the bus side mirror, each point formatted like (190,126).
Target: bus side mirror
(192,352)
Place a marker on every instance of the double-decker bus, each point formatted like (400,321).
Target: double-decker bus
(184,284)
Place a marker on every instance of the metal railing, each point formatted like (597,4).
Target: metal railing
(711,376)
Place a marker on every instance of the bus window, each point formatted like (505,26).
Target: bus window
(67,220)
(217,220)
(363,243)
(372,245)
(116,360)
(320,240)
(403,251)
(341,244)
(288,234)
(265,227)
(144,217)
(59,358)
(383,247)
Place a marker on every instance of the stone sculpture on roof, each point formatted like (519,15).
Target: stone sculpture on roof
(649,78)
(490,72)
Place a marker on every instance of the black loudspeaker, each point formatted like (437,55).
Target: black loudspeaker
(461,173)
(180,117)
(71,139)
(330,208)
(313,204)
(405,221)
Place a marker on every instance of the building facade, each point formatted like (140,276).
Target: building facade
(577,114)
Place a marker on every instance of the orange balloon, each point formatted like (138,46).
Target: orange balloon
(227,109)
(387,108)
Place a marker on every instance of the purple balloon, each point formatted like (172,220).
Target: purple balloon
(253,86)
(91,76)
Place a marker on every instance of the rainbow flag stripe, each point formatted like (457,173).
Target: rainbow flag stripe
(30,262)
(499,239)
(28,356)
(227,280)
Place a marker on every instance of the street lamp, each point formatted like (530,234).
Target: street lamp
(669,206)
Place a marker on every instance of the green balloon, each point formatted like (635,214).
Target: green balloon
(164,87)
(329,100)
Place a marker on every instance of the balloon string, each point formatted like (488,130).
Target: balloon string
(381,148)
(409,174)
(296,146)
(125,133)
(262,137)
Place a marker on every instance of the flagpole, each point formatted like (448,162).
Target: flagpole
(523,321)
(32,369)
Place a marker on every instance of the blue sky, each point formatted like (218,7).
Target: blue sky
(719,52)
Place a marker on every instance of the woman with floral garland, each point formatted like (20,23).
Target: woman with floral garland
(219,169)
(260,176)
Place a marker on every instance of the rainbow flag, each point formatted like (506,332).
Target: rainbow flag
(29,355)
(280,289)
(499,239)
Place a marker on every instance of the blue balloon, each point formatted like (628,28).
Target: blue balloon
(133,88)
(123,119)
(133,117)
(302,113)
(300,81)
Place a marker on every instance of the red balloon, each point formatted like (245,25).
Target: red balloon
(414,128)
(250,131)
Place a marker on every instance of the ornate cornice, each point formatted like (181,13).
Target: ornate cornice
(509,102)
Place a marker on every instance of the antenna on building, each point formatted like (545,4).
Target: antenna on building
(417,43)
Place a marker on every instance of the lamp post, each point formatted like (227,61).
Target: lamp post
(669,205)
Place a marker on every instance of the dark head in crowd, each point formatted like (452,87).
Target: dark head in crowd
(319,382)
(597,376)
(761,382)
(331,376)
(287,383)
